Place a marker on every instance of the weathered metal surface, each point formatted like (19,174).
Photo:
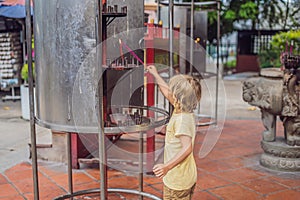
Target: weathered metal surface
(129,27)
(65,48)
(64,36)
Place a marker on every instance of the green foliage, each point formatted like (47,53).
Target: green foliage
(249,10)
(271,12)
(230,64)
(212,17)
(265,14)
(230,15)
(163,60)
(24,72)
(234,11)
(283,39)
(270,57)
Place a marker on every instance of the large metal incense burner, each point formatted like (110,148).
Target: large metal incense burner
(278,96)
(128,119)
(82,73)
(134,119)
(75,84)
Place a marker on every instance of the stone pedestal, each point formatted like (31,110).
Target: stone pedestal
(280,156)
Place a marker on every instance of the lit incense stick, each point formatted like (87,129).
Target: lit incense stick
(121,49)
(131,51)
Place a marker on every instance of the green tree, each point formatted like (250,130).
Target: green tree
(258,14)
(280,14)
(242,12)
(281,42)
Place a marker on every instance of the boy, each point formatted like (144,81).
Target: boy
(179,171)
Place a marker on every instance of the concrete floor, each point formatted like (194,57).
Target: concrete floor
(15,134)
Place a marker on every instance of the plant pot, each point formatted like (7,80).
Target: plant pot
(24,90)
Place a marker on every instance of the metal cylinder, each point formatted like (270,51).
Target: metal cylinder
(64,37)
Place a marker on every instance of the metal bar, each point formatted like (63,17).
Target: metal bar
(189,4)
(110,20)
(23,39)
(69,154)
(158,11)
(141,161)
(31,100)
(218,64)
(127,129)
(151,196)
(171,36)
(78,193)
(209,10)
(99,100)
(111,190)
(13,92)
(171,27)
(192,38)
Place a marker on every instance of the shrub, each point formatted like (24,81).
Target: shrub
(24,72)
(269,58)
(230,64)
(281,42)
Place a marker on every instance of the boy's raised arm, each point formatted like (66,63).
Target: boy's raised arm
(163,86)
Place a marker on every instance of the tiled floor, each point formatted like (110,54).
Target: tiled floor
(231,171)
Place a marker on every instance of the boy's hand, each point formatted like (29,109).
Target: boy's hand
(152,69)
(160,170)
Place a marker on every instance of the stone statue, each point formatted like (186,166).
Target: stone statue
(266,94)
(278,97)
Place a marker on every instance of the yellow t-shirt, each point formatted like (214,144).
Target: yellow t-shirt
(184,175)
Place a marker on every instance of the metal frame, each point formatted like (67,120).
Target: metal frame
(31,100)
(102,130)
(142,129)
(191,4)
(110,190)
(102,155)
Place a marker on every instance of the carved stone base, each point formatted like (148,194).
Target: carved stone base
(280,156)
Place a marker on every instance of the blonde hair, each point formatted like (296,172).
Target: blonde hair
(187,91)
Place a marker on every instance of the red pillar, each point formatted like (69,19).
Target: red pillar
(74,150)
(149,43)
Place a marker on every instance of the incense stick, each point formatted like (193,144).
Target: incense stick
(131,51)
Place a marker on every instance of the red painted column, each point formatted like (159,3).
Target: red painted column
(74,150)
(150,52)
(159,30)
